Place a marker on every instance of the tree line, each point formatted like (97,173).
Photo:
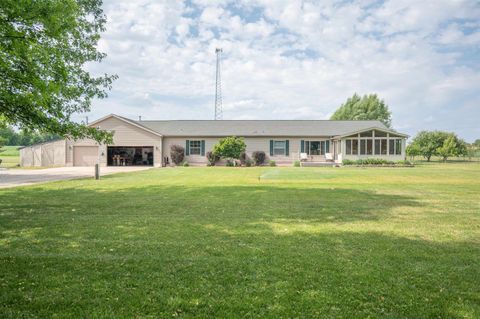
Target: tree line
(8,136)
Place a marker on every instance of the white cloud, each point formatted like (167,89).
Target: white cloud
(295,59)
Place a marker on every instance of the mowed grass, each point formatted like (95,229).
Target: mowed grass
(9,156)
(245,242)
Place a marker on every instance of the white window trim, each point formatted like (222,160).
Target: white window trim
(280,148)
(199,147)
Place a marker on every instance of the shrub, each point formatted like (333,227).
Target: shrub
(212,158)
(185,164)
(177,154)
(243,158)
(374,161)
(404,163)
(272,163)
(230,147)
(258,158)
(248,163)
(229,163)
(296,164)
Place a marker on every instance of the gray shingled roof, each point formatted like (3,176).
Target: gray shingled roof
(258,128)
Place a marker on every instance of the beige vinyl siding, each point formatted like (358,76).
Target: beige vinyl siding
(253,144)
(45,154)
(26,157)
(125,134)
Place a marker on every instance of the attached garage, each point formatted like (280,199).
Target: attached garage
(130,155)
(85,155)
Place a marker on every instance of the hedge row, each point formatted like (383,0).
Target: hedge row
(375,162)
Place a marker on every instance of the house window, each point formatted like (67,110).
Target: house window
(384,146)
(398,147)
(279,148)
(369,147)
(391,146)
(354,147)
(195,147)
(348,147)
(363,147)
(377,147)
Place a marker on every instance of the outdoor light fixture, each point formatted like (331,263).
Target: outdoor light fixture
(103,153)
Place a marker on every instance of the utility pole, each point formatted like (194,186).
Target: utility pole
(218,88)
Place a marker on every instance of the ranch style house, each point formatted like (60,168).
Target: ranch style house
(148,142)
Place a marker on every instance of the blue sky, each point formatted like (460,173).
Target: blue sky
(295,59)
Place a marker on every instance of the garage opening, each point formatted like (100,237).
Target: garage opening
(130,156)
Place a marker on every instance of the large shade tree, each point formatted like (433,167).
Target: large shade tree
(367,107)
(44,48)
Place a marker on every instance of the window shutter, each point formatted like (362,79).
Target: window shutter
(187,148)
(287,148)
(271,147)
(302,146)
(327,147)
(202,150)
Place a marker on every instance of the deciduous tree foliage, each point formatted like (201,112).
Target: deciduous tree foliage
(230,147)
(437,143)
(368,107)
(44,48)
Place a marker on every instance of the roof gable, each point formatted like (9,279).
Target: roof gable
(124,119)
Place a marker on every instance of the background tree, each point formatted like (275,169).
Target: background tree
(452,146)
(24,137)
(413,150)
(368,107)
(477,143)
(230,147)
(44,47)
(438,143)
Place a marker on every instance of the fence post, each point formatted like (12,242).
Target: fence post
(97,171)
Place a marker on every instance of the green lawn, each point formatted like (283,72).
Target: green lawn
(9,156)
(246,242)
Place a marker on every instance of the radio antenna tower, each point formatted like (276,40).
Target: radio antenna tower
(218,88)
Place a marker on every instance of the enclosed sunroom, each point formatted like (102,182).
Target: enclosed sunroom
(372,143)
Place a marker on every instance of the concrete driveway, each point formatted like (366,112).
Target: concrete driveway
(20,177)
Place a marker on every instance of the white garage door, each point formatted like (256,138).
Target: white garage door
(85,155)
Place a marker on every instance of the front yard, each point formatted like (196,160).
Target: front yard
(245,242)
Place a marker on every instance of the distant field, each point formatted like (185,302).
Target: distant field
(10,156)
(268,242)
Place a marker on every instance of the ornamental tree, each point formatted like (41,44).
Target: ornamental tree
(44,49)
(230,147)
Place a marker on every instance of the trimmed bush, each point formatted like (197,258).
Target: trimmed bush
(248,163)
(272,163)
(258,157)
(185,164)
(374,162)
(212,158)
(229,163)
(296,164)
(177,154)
